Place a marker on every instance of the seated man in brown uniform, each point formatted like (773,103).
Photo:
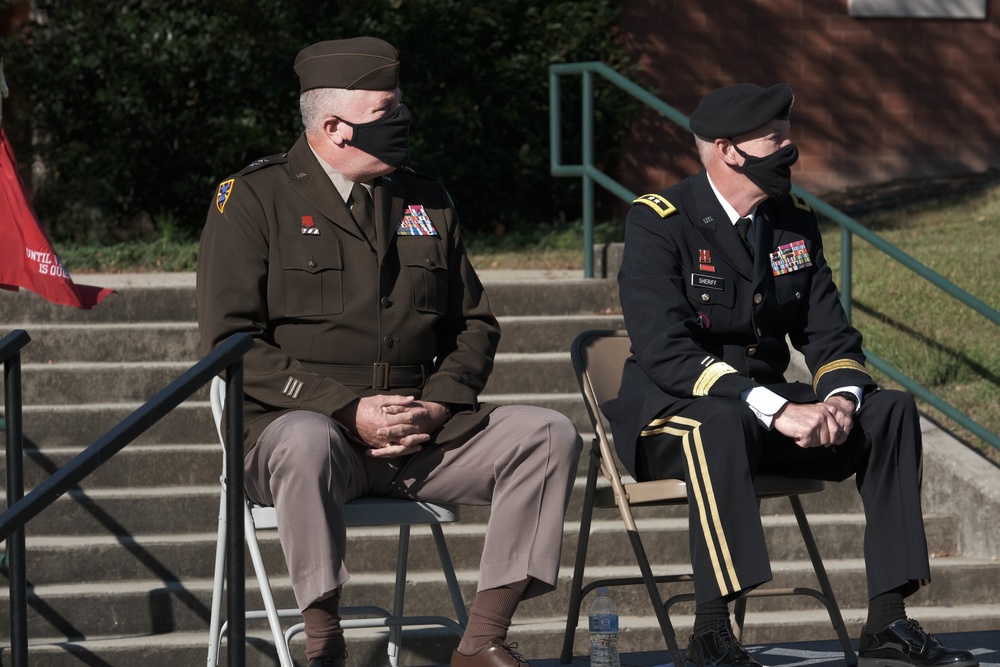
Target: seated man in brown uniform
(717,271)
(373,339)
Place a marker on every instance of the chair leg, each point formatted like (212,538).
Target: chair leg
(448,567)
(662,614)
(739,617)
(576,594)
(824,581)
(280,645)
(214,632)
(396,631)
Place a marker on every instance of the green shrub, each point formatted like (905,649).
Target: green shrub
(136,109)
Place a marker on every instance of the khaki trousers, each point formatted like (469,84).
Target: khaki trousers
(522,464)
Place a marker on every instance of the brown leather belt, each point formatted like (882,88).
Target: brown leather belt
(378,376)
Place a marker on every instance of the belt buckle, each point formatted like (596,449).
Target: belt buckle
(380,376)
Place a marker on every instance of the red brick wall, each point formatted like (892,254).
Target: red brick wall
(875,99)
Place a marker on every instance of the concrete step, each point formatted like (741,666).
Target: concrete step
(538,640)
(148,607)
(161,492)
(134,466)
(81,382)
(78,425)
(144,605)
(549,333)
(113,341)
(171,298)
(178,341)
(102,548)
(140,303)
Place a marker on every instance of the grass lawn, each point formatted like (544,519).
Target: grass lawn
(927,334)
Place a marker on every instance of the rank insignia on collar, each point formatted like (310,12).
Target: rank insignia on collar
(416,222)
(309,227)
(790,257)
(800,203)
(222,196)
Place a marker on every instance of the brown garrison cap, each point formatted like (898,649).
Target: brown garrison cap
(741,108)
(362,63)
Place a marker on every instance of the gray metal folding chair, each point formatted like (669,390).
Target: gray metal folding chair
(598,359)
(360,512)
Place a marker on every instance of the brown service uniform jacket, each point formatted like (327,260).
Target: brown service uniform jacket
(332,316)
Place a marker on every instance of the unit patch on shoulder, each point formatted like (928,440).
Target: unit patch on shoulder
(800,203)
(662,207)
(222,196)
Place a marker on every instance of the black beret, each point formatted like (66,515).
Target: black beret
(362,63)
(741,108)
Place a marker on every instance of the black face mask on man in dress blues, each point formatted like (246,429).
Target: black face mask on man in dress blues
(771,173)
(386,138)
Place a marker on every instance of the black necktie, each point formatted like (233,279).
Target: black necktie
(361,209)
(743,227)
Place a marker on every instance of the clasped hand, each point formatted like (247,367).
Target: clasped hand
(816,424)
(393,426)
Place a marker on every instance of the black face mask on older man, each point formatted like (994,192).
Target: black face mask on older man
(771,173)
(386,138)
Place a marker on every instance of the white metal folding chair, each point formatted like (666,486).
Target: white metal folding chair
(360,512)
(598,359)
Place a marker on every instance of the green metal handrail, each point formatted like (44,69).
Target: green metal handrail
(849,227)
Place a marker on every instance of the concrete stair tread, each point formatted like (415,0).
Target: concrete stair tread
(536,637)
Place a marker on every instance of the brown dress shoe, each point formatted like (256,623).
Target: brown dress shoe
(497,654)
(338,660)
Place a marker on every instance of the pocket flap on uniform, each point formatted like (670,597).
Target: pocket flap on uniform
(311,255)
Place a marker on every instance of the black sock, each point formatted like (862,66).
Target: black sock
(707,616)
(885,609)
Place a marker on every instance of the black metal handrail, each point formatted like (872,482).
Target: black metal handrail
(228,357)
(10,352)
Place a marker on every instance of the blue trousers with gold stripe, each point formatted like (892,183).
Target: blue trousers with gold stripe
(716,445)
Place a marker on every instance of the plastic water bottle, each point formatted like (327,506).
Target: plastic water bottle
(604,630)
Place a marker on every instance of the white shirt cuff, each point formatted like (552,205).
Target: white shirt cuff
(764,403)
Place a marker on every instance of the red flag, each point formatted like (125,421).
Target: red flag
(26,256)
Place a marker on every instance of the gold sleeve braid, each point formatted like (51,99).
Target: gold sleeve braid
(710,376)
(838,365)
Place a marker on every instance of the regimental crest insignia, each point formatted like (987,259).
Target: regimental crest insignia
(416,222)
(222,196)
(662,207)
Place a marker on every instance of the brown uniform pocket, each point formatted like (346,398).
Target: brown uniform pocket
(312,271)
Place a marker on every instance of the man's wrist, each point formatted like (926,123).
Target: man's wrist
(850,397)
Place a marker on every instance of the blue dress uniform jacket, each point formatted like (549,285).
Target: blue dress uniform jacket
(335,317)
(707,320)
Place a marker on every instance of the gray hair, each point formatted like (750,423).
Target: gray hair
(705,149)
(318,104)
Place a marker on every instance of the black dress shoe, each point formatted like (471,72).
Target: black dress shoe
(905,644)
(718,648)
